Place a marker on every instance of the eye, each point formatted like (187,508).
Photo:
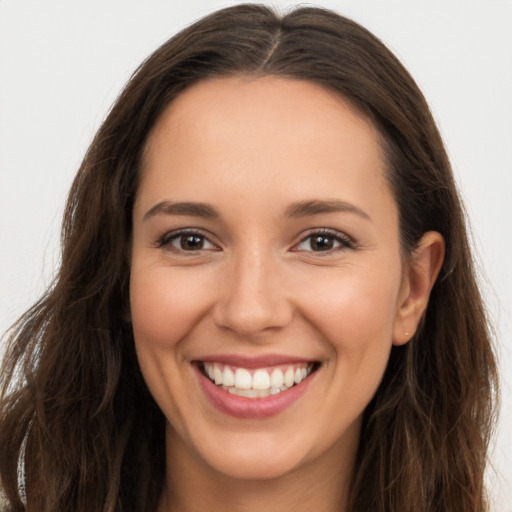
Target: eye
(324,240)
(188,241)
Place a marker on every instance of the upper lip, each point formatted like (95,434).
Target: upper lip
(245,361)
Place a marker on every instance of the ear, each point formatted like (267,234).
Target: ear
(419,276)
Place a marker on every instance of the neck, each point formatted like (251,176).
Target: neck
(321,485)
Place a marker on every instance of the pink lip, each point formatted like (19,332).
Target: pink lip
(251,408)
(250,362)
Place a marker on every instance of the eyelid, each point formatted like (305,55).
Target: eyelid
(164,241)
(346,242)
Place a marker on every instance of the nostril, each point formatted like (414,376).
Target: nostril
(252,299)
(251,318)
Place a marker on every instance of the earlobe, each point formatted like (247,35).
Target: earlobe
(419,277)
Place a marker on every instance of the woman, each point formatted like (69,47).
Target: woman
(266,297)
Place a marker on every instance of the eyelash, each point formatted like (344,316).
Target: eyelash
(166,240)
(343,240)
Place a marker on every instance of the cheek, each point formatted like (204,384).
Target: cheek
(165,304)
(356,308)
(355,314)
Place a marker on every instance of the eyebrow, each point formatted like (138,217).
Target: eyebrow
(295,210)
(182,208)
(315,207)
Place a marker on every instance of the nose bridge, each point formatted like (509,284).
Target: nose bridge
(253,298)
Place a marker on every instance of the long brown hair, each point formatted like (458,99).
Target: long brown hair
(76,418)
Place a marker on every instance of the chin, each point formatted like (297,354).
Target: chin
(256,465)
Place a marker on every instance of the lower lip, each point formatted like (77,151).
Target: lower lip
(252,408)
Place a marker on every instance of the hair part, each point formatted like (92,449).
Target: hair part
(80,419)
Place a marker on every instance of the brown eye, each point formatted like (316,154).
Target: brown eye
(187,241)
(321,243)
(324,241)
(191,242)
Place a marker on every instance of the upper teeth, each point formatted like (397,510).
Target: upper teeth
(272,380)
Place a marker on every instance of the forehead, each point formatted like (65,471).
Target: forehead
(271,101)
(277,136)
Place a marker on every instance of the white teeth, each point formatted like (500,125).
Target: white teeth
(209,369)
(253,393)
(260,383)
(277,378)
(260,380)
(217,374)
(288,377)
(228,377)
(248,393)
(243,379)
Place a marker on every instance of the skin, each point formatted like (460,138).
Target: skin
(250,148)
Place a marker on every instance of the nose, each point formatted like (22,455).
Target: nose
(252,299)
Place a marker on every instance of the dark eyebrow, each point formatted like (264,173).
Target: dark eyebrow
(316,206)
(182,208)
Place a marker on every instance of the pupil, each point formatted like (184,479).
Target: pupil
(320,242)
(191,242)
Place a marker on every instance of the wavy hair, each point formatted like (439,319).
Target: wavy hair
(76,418)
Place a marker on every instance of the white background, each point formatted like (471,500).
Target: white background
(62,64)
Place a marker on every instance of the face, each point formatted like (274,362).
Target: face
(266,275)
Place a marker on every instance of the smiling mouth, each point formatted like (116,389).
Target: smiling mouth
(257,382)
